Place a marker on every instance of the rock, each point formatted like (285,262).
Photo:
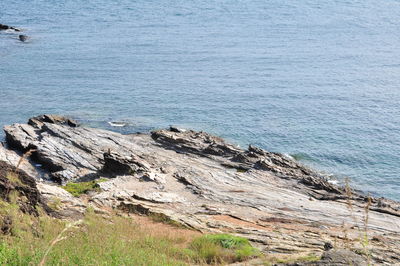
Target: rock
(62,203)
(328,246)
(6,27)
(115,164)
(18,187)
(342,257)
(194,142)
(6,225)
(203,182)
(23,38)
(52,119)
(177,129)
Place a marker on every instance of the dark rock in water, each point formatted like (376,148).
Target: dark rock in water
(177,129)
(53,119)
(6,27)
(23,38)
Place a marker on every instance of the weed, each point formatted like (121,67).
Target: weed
(363,239)
(222,248)
(365,242)
(23,157)
(77,189)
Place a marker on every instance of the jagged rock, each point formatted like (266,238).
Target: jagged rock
(52,119)
(342,257)
(63,204)
(205,183)
(116,164)
(16,185)
(6,225)
(23,38)
(177,129)
(6,27)
(194,142)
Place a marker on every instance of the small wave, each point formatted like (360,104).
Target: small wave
(117,124)
(333,181)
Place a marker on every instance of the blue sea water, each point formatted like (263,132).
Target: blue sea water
(319,80)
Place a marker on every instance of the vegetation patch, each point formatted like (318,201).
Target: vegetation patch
(110,240)
(77,189)
(162,218)
(222,248)
(290,259)
(14,178)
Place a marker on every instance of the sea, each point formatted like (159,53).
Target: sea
(316,80)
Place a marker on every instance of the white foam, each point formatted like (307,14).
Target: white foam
(117,124)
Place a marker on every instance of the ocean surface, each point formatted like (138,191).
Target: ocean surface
(317,80)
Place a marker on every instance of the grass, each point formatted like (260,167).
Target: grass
(14,178)
(77,189)
(111,240)
(290,259)
(221,248)
(364,237)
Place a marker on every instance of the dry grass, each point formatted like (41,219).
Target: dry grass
(363,232)
(273,259)
(109,240)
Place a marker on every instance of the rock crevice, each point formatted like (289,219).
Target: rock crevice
(203,182)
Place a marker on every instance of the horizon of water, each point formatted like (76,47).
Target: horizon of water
(316,80)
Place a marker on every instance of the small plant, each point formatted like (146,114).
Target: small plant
(363,239)
(365,242)
(77,189)
(60,237)
(23,158)
(7,254)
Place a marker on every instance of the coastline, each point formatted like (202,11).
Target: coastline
(204,183)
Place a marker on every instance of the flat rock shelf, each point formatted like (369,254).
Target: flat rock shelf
(204,183)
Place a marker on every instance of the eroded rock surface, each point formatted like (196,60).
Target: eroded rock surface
(207,184)
(19,188)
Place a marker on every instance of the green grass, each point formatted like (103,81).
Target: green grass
(222,248)
(77,189)
(111,240)
(14,178)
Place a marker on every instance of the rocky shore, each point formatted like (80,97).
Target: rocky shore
(206,184)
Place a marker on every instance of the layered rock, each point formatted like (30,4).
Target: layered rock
(19,188)
(205,183)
